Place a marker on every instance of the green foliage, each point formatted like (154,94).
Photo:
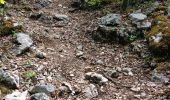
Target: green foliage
(97,3)
(93,3)
(132,37)
(30,74)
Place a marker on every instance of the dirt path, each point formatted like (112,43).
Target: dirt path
(61,44)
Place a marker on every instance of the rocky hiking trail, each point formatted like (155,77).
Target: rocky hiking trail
(58,58)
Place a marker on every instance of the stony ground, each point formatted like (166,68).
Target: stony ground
(72,52)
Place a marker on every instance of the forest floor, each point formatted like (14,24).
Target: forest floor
(62,45)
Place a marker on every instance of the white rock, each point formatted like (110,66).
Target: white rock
(91,91)
(128,71)
(135,89)
(95,77)
(16,95)
(157,38)
(79,53)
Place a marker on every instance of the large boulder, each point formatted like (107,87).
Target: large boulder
(112,28)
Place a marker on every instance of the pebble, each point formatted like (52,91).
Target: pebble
(80,47)
(41,55)
(127,71)
(79,53)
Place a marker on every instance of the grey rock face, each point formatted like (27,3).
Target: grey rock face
(110,19)
(91,91)
(40,96)
(9,79)
(111,28)
(25,42)
(137,16)
(44,88)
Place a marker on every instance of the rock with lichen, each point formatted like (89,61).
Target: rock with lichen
(159,36)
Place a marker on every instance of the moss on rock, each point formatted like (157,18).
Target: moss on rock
(159,36)
(8,27)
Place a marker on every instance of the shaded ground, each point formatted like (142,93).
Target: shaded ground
(60,44)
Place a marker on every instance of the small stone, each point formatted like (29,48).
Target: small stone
(40,96)
(80,47)
(68,85)
(41,67)
(100,62)
(16,95)
(36,16)
(127,71)
(95,77)
(61,17)
(79,53)
(135,89)
(113,73)
(91,91)
(41,55)
(63,89)
(44,88)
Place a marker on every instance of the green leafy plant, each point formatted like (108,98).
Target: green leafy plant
(93,3)
(30,74)
(132,37)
